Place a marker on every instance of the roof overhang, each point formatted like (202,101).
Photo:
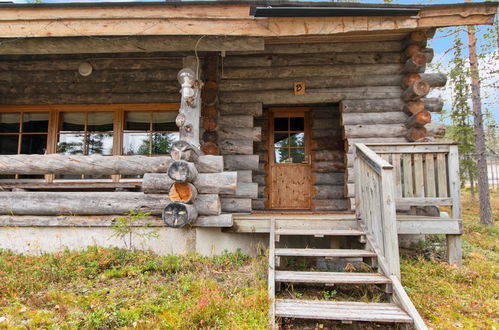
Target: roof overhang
(231,18)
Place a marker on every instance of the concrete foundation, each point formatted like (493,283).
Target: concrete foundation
(205,241)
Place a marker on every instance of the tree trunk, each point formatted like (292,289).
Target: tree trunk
(483,181)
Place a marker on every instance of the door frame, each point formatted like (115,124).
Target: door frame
(283,112)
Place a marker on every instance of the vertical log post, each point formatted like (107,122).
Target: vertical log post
(190,105)
(210,105)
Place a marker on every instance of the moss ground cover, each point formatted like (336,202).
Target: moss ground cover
(467,297)
(112,289)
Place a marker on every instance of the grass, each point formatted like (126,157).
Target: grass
(111,289)
(467,297)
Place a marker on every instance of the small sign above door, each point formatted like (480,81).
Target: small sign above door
(299,88)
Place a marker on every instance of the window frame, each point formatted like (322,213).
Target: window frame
(55,110)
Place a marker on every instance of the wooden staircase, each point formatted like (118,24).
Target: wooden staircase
(398,310)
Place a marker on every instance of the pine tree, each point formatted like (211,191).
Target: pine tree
(461,129)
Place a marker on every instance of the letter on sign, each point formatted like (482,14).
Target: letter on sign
(299,88)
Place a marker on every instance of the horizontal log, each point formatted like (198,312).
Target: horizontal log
(375,131)
(415,37)
(313,95)
(435,79)
(324,155)
(210,164)
(330,205)
(91,165)
(236,146)
(314,59)
(245,133)
(129,85)
(222,220)
(417,90)
(325,191)
(256,204)
(103,98)
(178,215)
(236,121)
(244,176)
(210,136)
(252,109)
(328,166)
(131,44)
(208,204)
(433,104)
(241,162)
(209,123)
(224,183)
(394,117)
(326,124)
(248,190)
(310,71)
(410,78)
(156,183)
(436,130)
(362,106)
(236,205)
(80,203)
(311,82)
(329,178)
(419,119)
(333,47)
(98,64)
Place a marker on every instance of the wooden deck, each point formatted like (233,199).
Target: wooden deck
(332,223)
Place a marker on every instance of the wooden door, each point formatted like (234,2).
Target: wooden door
(289,159)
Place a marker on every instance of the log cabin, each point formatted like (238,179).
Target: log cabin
(303,126)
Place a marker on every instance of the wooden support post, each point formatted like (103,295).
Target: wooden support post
(190,105)
(454,250)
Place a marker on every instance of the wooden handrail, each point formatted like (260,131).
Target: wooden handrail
(375,205)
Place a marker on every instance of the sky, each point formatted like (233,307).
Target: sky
(441,43)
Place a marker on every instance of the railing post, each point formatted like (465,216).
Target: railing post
(390,221)
(454,248)
(357,176)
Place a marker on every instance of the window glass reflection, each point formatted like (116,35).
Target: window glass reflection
(297,155)
(164,121)
(297,140)
(99,143)
(71,144)
(161,142)
(136,144)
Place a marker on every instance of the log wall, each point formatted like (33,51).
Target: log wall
(116,78)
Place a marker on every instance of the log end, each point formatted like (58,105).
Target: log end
(178,215)
(182,192)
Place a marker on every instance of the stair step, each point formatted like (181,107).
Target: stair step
(340,253)
(340,310)
(319,232)
(330,277)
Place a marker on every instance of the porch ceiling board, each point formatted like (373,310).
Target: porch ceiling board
(216,19)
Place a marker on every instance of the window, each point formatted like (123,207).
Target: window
(289,139)
(128,129)
(23,133)
(85,133)
(149,133)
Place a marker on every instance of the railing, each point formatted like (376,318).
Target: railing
(424,174)
(375,206)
